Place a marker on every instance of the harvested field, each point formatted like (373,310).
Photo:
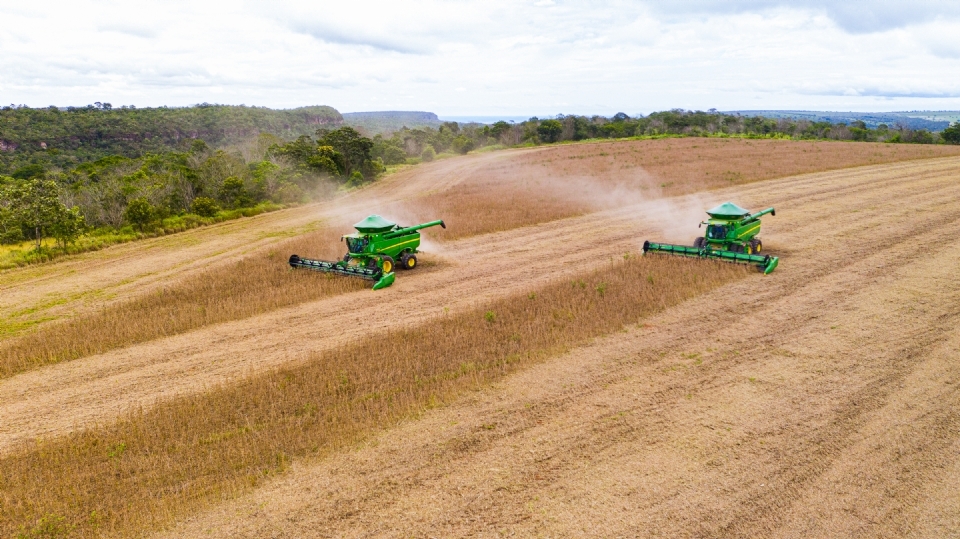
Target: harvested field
(833,371)
(256,284)
(820,401)
(232,438)
(564,181)
(475,194)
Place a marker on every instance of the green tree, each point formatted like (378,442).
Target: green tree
(11,229)
(550,130)
(204,207)
(328,160)
(36,205)
(68,227)
(351,145)
(29,172)
(463,144)
(139,213)
(234,193)
(498,129)
(390,151)
(951,135)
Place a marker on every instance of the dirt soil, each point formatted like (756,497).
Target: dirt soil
(819,401)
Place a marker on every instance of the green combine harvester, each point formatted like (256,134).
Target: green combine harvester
(731,235)
(373,252)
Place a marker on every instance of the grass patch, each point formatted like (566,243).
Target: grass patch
(155,466)
(257,284)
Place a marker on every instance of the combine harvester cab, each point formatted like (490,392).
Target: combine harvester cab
(731,235)
(373,252)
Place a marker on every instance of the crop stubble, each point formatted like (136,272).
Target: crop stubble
(514,189)
(562,181)
(818,402)
(193,450)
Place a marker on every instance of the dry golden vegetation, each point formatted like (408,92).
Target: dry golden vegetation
(524,188)
(561,181)
(155,465)
(260,283)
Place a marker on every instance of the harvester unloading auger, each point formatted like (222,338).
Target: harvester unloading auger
(731,235)
(373,251)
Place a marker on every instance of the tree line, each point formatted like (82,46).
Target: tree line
(427,142)
(179,189)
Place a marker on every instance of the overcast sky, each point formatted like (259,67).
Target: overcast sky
(485,57)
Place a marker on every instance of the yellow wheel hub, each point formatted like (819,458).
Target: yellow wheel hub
(411,262)
(387,266)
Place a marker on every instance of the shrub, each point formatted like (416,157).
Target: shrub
(463,144)
(356,179)
(234,194)
(951,135)
(204,207)
(550,130)
(428,154)
(139,213)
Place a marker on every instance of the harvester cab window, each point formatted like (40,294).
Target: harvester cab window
(356,245)
(716,232)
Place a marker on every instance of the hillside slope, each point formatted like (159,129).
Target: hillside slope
(65,137)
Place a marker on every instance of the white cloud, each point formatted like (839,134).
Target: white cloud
(485,57)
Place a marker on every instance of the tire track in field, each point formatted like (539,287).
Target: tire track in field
(801,376)
(67,396)
(97,278)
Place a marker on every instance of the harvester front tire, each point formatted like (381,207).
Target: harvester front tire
(408,262)
(700,242)
(386,264)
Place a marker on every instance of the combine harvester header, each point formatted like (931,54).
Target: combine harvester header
(731,235)
(372,252)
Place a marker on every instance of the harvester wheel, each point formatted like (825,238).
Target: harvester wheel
(386,264)
(748,248)
(757,246)
(408,261)
(700,242)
